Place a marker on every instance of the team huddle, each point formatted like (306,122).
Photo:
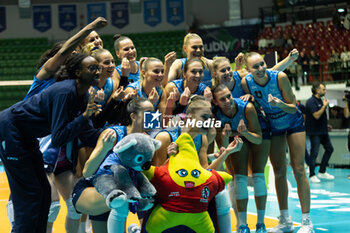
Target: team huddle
(60,138)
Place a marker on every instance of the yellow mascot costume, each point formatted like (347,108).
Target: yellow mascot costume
(184,189)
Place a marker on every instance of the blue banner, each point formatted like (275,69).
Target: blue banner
(67,17)
(152,12)
(120,14)
(42,18)
(2,19)
(228,41)
(175,11)
(95,10)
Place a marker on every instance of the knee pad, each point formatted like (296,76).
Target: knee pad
(241,183)
(71,212)
(222,201)
(122,211)
(259,184)
(54,210)
(10,212)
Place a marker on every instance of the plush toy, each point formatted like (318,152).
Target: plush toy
(184,189)
(121,181)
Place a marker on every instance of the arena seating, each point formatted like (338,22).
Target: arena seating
(18,57)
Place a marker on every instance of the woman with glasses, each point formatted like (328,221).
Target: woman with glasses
(62,110)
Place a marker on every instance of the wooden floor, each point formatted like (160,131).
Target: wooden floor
(330,205)
(5,226)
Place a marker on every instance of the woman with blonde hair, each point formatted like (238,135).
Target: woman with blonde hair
(272,91)
(193,48)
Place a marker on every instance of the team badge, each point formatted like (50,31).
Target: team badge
(205,192)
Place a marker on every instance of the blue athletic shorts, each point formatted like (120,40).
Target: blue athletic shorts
(78,190)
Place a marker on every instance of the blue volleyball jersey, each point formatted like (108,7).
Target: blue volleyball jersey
(240,114)
(206,78)
(278,119)
(39,85)
(175,132)
(179,83)
(132,77)
(111,157)
(107,89)
(237,90)
(143,94)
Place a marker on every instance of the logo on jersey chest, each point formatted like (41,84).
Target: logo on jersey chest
(258,94)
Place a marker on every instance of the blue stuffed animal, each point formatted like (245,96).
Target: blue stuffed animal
(120,179)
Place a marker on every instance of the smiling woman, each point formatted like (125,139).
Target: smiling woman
(127,53)
(190,85)
(62,110)
(150,83)
(107,67)
(193,48)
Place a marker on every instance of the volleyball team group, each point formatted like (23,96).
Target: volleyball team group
(81,104)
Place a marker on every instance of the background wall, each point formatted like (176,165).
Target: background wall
(23,28)
(250,8)
(200,11)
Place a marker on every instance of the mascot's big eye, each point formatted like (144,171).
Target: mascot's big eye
(139,158)
(182,172)
(195,173)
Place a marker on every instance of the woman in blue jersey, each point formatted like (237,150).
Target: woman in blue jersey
(128,70)
(62,110)
(85,197)
(91,42)
(191,84)
(52,60)
(223,74)
(150,83)
(239,117)
(272,91)
(193,48)
(110,96)
(106,61)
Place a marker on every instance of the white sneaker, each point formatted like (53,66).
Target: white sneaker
(306,226)
(325,176)
(134,228)
(284,225)
(314,179)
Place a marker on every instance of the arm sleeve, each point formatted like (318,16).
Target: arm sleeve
(63,128)
(179,108)
(89,135)
(100,119)
(124,81)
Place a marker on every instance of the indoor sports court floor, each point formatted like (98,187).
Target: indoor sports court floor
(330,205)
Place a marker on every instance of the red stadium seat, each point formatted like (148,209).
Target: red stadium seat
(279,29)
(320,24)
(309,25)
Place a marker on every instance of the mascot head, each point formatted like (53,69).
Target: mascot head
(136,151)
(184,167)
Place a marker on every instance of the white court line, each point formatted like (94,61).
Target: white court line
(16,83)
